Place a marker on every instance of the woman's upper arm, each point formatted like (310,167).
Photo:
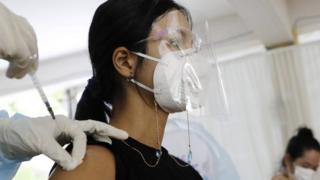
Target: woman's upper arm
(99,163)
(280,177)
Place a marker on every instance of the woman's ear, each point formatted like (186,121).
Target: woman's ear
(124,62)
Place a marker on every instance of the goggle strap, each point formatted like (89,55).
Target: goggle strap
(146,56)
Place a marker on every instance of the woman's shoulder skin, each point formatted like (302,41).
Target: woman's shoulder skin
(99,163)
(280,177)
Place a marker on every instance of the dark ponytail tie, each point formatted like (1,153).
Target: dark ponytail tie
(92,104)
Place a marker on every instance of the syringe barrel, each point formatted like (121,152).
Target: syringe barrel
(43,96)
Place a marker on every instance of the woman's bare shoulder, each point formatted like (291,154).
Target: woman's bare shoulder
(99,163)
(280,177)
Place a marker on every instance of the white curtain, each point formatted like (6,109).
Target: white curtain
(269,95)
(310,69)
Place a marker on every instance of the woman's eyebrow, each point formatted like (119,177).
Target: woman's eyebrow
(159,34)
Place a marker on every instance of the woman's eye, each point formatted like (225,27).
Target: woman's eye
(173,41)
(176,43)
(306,166)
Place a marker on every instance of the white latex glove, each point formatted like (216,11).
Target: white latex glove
(22,139)
(18,44)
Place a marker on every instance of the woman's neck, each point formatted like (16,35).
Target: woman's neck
(140,120)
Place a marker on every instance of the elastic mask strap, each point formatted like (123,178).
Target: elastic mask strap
(141,85)
(146,56)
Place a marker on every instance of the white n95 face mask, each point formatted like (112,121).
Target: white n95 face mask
(301,173)
(176,80)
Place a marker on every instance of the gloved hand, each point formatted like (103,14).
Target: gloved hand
(22,139)
(18,44)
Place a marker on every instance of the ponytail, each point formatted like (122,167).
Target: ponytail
(92,104)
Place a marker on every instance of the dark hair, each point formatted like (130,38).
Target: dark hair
(302,142)
(116,23)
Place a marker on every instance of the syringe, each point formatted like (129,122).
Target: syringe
(43,96)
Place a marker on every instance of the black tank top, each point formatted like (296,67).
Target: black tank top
(131,166)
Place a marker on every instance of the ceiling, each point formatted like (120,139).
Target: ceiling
(62,26)
(204,9)
(235,25)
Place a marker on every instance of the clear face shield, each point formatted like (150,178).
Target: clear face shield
(186,75)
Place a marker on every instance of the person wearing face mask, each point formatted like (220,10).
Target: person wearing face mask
(302,158)
(145,66)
